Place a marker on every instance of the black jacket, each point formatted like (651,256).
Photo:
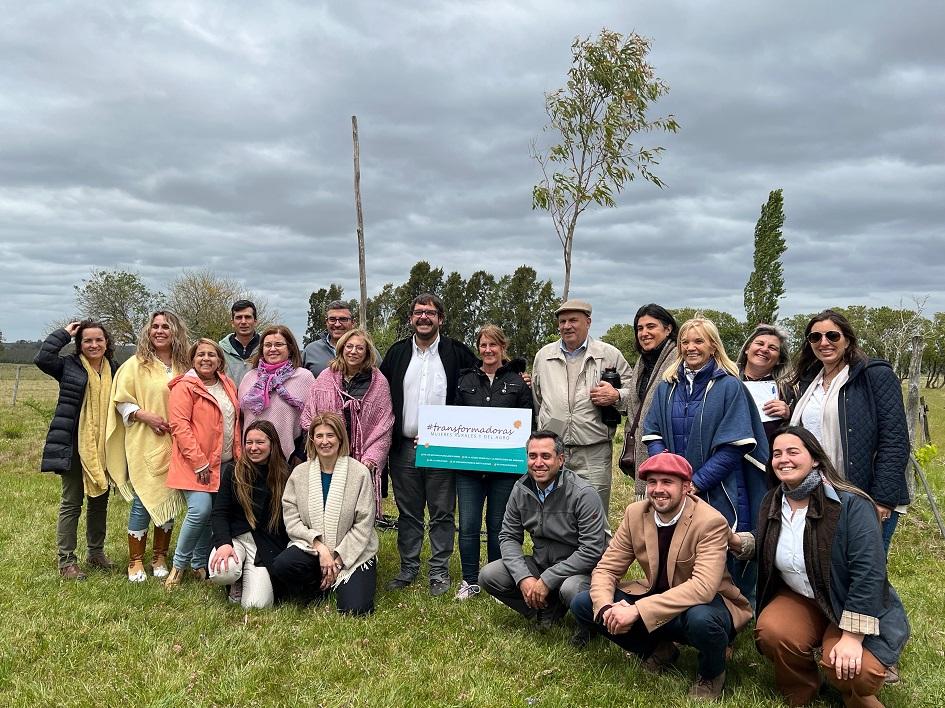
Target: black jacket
(507,389)
(228,518)
(69,372)
(873,431)
(455,357)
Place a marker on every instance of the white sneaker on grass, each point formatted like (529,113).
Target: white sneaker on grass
(467,590)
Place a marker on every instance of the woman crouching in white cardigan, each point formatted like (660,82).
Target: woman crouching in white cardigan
(328,507)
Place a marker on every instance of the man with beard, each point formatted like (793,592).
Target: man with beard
(687,595)
(422,370)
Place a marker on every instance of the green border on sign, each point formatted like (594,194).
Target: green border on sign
(509,460)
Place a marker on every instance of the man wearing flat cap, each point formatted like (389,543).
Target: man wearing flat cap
(570,397)
(687,595)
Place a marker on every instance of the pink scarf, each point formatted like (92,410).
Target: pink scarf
(270,377)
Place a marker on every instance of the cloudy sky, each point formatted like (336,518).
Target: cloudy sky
(160,136)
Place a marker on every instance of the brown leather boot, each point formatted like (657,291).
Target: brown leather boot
(98,560)
(172,581)
(72,572)
(136,548)
(162,541)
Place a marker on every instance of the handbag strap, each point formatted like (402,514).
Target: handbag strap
(636,418)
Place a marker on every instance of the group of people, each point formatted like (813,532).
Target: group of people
(776,500)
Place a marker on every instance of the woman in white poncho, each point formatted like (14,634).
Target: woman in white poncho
(328,508)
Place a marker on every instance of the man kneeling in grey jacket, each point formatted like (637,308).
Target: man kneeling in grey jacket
(565,518)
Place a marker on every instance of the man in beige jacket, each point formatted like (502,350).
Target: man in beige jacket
(569,395)
(687,595)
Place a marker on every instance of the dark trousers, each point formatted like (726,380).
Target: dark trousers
(496,580)
(70,508)
(417,489)
(745,576)
(708,628)
(473,490)
(296,575)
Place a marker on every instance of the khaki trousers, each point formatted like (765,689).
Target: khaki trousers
(593,463)
(788,631)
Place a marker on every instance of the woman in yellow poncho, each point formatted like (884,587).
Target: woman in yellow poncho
(138,449)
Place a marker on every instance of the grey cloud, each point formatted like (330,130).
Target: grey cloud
(164,136)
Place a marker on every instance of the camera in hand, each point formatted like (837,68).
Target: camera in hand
(609,415)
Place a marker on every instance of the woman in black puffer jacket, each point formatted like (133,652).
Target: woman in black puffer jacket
(75,444)
(496,382)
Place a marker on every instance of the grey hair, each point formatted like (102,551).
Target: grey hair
(338,305)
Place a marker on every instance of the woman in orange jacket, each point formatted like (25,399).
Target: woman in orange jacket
(203,413)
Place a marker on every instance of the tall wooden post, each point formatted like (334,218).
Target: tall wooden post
(360,225)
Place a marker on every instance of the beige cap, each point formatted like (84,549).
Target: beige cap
(574,306)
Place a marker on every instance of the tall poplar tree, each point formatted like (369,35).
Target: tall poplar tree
(765,285)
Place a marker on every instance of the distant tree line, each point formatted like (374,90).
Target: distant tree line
(520,303)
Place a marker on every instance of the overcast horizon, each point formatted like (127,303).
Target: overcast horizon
(158,137)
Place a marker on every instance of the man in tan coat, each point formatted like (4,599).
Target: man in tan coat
(688,597)
(569,395)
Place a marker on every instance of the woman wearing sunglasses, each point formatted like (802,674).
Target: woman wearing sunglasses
(853,406)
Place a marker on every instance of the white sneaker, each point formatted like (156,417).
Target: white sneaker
(467,590)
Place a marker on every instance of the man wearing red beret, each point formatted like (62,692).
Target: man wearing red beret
(687,597)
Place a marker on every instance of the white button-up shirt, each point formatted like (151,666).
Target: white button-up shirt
(424,383)
(672,521)
(789,557)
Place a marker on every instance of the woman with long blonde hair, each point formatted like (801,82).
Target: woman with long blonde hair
(138,440)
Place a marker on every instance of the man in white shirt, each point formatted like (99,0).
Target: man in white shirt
(422,370)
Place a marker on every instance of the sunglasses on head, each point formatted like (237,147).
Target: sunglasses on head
(832,336)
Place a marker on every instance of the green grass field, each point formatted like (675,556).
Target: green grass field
(107,642)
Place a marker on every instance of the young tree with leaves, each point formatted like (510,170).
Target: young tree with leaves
(597,115)
(765,285)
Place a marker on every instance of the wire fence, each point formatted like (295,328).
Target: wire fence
(24,382)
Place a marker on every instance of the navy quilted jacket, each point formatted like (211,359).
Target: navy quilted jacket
(873,431)
(68,371)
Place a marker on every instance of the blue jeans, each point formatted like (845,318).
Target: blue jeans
(708,628)
(139,519)
(193,542)
(889,528)
(472,491)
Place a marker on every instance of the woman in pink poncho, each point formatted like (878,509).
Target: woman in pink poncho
(353,387)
